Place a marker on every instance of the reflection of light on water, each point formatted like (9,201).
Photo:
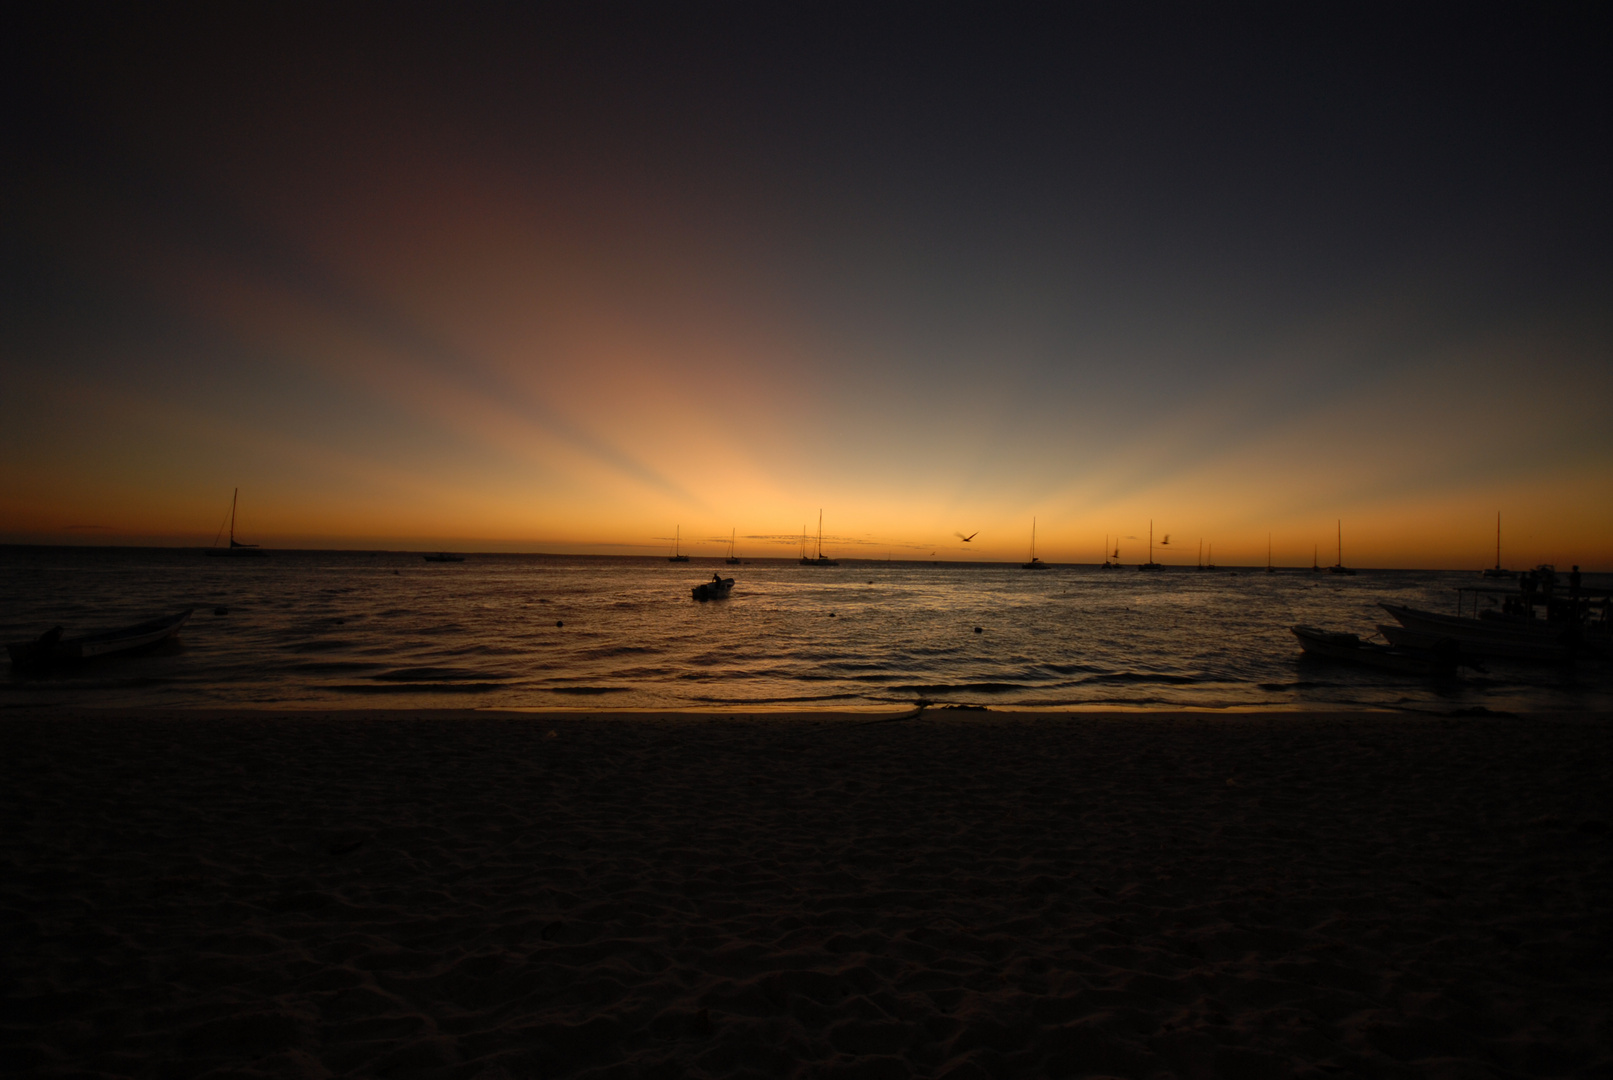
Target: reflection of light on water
(361,630)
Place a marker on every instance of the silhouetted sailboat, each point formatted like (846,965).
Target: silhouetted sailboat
(1315,566)
(1035,563)
(677,547)
(1269,569)
(733,560)
(1496,571)
(1107,565)
(821,560)
(1211,564)
(1150,564)
(1339,567)
(236,548)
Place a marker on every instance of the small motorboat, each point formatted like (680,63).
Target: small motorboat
(715,589)
(52,648)
(1439,658)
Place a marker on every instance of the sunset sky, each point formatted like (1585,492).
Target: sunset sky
(569,277)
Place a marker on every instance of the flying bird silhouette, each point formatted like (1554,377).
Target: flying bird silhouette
(1166,542)
(968,538)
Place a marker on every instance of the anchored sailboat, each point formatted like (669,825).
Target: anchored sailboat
(1339,567)
(1496,571)
(236,548)
(677,547)
(821,560)
(1035,563)
(733,560)
(1107,565)
(1150,564)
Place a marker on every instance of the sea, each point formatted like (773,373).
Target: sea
(349,629)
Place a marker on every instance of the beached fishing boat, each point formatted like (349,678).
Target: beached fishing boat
(1337,645)
(677,547)
(443,556)
(1509,639)
(715,589)
(52,648)
(236,548)
(822,559)
(1035,563)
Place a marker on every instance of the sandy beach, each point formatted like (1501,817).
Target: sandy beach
(958,893)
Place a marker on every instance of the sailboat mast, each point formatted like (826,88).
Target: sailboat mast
(1033,539)
(820,532)
(233,498)
(1498,539)
(1341,541)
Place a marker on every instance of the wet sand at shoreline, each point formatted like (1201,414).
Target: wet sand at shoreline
(476,894)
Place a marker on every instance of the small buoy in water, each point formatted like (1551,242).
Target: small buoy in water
(221,611)
(557,622)
(979,631)
(831,614)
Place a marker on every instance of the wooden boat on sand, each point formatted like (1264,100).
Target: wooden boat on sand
(52,648)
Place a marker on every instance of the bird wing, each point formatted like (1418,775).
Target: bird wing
(968,538)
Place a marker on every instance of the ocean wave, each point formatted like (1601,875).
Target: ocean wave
(1139,677)
(334,667)
(970,687)
(419,688)
(431,674)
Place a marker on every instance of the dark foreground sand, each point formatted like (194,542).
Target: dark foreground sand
(961,894)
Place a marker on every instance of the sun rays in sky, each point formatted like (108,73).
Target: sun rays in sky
(420,291)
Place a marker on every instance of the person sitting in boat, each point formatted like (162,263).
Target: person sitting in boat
(716,579)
